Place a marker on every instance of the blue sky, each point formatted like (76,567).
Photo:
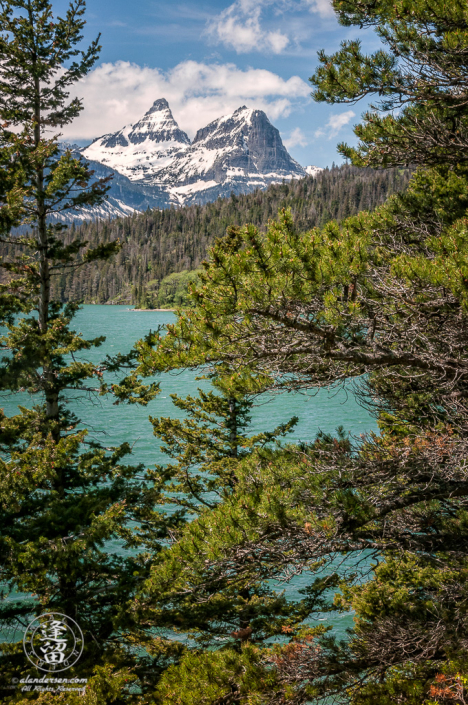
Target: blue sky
(209,58)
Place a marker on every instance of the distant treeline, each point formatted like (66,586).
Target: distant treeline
(159,243)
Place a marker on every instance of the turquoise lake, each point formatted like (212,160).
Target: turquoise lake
(114,425)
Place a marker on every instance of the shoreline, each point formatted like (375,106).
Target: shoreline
(152,309)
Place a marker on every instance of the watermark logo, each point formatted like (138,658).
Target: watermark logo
(53,642)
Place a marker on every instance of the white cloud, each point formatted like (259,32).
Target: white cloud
(296,138)
(242,25)
(323,8)
(239,27)
(335,124)
(120,93)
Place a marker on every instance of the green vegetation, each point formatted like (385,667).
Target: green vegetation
(207,448)
(341,303)
(381,298)
(63,495)
(376,525)
(157,244)
(171,292)
(209,444)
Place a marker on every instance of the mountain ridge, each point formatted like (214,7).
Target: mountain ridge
(236,153)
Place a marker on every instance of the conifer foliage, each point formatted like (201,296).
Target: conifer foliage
(381,298)
(210,442)
(209,446)
(159,243)
(63,494)
(419,77)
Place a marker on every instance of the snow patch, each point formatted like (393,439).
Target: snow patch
(313,170)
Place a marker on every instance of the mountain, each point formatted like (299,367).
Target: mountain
(123,198)
(237,153)
(313,170)
(142,150)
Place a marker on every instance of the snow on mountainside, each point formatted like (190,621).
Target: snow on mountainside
(124,196)
(139,151)
(313,170)
(236,153)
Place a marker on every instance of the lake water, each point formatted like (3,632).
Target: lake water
(116,424)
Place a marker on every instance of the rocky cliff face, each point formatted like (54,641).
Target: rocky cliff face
(236,153)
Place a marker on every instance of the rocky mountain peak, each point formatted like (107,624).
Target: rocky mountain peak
(313,170)
(247,141)
(225,128)
(238,152)
(140,149)
(157,125)
(159,104)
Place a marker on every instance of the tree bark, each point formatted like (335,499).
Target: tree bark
(50,390)
(233,427)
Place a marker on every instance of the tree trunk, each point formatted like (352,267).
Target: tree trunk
(50,390)
(233,427)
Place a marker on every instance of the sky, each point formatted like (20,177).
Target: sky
(208,58)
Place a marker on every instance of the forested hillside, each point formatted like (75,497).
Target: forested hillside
(159,243)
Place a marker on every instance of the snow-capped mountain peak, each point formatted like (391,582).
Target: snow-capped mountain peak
(158,125)
(235,153)
(140,149)
(228,124)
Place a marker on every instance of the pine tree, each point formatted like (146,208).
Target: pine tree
(382,299)
(210,442)
(63,495)
(208,445)
(419,76)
